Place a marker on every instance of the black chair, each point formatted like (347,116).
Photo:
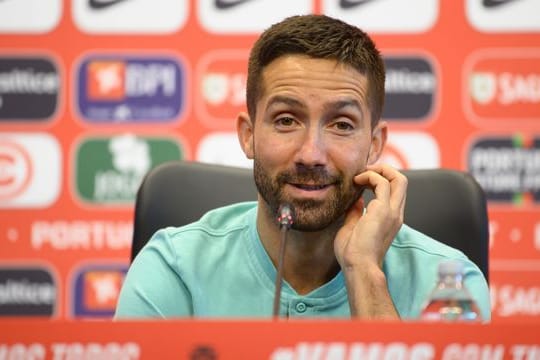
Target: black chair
(447,205)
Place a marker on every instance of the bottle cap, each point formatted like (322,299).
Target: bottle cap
(450,267)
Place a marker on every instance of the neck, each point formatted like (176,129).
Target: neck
(309,256)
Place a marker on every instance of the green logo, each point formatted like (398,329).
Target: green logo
(110,170)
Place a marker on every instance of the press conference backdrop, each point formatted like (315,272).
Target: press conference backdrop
(94,93)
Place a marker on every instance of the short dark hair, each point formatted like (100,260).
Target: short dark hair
(317,36)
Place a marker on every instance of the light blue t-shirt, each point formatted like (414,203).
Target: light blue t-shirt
(217,267)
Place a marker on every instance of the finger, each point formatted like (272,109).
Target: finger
(375,181)
(398,184)
(354,214)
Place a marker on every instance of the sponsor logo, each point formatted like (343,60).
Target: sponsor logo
(28,80)
(27,291)
(110,170)
(372,16)
(130,90)
(223,149)
(507,168)
(228,4)
(347,4)
(102,4)
(30,170)
(221,81)
(29,16)
(411,150)
(504,15)
(411,86)
(515,293)
(130,17)
(96,289)
(503,88)
(495,3)
(244,16)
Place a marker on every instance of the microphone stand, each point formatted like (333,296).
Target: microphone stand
(285,220)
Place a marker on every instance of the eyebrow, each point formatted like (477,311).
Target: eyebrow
(338,105)
(280,99)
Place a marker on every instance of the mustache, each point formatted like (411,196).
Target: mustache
(303,174)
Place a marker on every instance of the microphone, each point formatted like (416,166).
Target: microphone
(285,219)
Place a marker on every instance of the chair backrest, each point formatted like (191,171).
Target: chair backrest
(447,205)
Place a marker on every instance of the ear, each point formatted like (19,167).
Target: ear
(378,140)
(244,130)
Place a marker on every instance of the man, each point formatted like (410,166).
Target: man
(315,94)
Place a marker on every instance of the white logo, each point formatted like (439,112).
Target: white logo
(130,16)
(504,15)
(385,16)
(411,150)
(237,16)
(130,154)
(30,170)
(223,149)
(483,87)
(29,16)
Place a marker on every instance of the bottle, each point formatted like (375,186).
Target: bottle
(450,301)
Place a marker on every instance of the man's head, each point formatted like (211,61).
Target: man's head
(322,37)
(315,93)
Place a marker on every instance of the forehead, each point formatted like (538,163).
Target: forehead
(325,77)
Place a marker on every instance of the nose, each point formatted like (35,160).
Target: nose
(311,149)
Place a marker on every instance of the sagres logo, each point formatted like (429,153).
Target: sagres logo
(110,170)
(411,88)
(411,150)
(375,15)
(96,289)
(116,89)
(244,16)
(507,168)
(24,81)
(130,16)
(503,86)
(27,290)
(29,16)
(30,170)
(221,81)
(504,15)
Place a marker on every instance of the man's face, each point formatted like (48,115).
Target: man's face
(312,134)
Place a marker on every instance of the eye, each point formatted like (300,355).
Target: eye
(285,121)
(343,126)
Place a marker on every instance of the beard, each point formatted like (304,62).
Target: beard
(310,215)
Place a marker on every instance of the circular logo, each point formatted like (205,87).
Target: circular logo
(15,169)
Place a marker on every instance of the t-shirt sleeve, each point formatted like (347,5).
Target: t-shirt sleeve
(152,287)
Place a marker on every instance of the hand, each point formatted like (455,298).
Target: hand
(365,238)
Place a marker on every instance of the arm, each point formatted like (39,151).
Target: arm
(362,242)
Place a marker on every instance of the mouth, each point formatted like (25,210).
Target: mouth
(311,187)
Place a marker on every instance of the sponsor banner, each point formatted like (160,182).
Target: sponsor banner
(515,294)
(27,291)
(507,168)
(503,87)
(504,15)
(30,170)
(125,89)
(28,80)
(130,16)
(95,289)
(411,88)
(385,16)
(109,170)
(411,150)
(94,235)
(244,16)
(29,16)
(513,234)
(222,148)
(221,87)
